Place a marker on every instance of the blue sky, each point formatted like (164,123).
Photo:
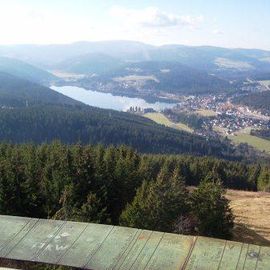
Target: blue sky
(226,23)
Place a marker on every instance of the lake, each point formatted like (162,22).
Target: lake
(107,100)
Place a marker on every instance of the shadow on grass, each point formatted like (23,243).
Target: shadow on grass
(243,234)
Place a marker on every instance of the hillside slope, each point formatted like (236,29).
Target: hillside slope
(25,71)
(258,101)
(92,63)
(223,62)
(92,125)
(16,92)
(154,77)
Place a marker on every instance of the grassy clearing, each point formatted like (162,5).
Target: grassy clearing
(206,113)
(136,78)
(265,83)
(66,75)
(252,216)
(244,136)
(258,143)
(228,63)
(219,130)
(163,120)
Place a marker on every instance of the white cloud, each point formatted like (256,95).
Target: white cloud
(154,17)
(217,32)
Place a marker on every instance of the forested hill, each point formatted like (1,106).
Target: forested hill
(155,76)
(25,71)
(259,101)
(92,125)
(16,92)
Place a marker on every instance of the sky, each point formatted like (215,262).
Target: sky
(224,23)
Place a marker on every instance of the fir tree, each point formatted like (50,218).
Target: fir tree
(157,204)
(264,180)
(212,210)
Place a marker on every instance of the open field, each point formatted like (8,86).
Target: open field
(66,75)
(219,130)
(228,63)
(258,143)
(136,78)
(206,113)
(265,83)
(163,120)
(252,212)
(244,136)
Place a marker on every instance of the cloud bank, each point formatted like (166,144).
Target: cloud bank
(154,17)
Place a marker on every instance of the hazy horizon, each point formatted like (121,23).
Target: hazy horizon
(126,40)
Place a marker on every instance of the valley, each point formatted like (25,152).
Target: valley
(109,100)
(219,96)
(217,115)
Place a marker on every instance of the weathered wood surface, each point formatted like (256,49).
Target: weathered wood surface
(98,247)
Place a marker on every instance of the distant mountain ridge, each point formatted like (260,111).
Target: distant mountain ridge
(49,55)
(228,63)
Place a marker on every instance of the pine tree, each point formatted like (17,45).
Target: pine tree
(33,195)
(157,204)
(93,210)
(67,210)
(212,210)
(264,180)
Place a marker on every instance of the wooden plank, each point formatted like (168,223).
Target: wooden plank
(231,255)
(129,249)
(86,245)
(112,248)
(251,257)
(264,259)
(171,253)
(130,258)
(61,242)
(147,252)
(207,254)
(35,240)
(10,227)
(12,243)
(242,258)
